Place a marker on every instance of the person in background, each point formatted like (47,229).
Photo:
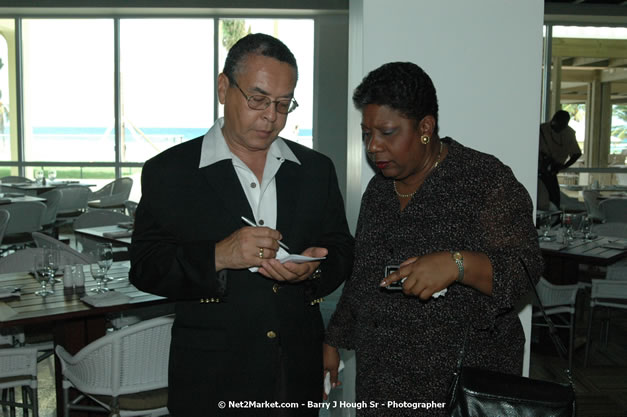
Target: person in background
(445,217)
(248,327)
(558,150)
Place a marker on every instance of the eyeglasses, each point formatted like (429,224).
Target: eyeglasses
(259,102)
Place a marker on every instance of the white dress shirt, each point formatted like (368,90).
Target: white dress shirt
(261,197)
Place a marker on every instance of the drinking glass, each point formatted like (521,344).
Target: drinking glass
(52,175)
(51,257)
(41,272)
(98,274)
(39,176)
(545,227)
(104,259)
(586,228)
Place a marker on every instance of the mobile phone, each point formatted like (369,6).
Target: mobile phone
(395,286)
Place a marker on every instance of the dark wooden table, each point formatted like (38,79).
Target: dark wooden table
(562,263)
(73,323)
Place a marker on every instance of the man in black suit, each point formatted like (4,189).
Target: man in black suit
(247,327)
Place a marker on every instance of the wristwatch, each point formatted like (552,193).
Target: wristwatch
(459,260)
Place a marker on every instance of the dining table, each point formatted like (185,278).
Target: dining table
(35,188)
(66,313)
(113,233)
(563,258)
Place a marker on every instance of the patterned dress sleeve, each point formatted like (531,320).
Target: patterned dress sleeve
(509,237)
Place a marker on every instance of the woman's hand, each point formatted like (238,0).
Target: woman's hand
(331,364)
(424,275)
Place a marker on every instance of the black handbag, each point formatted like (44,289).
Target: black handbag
(482,393)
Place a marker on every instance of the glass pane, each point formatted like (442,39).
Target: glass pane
(8,137)
(167,83)
(68,90)
(298,35)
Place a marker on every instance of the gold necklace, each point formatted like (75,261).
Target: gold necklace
(437,162)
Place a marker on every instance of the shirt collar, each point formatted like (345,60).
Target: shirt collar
(214,148)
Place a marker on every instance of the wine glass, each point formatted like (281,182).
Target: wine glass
(98,274)
(586,228)
(41,272)
(545,227)
(52,175)
(39,176)
(104,257)
(51,257)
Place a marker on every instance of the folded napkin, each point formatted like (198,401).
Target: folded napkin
(7,292)
(5,201)
(121,233)
(13,195)
(105,299)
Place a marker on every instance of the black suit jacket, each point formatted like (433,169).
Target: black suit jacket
(222,339)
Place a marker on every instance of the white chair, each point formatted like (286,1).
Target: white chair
(18,369)
(68,255)
(609,295)
(25,218)
(591,201)
(617,271)
(112,195)
(614,209)
(4,222)
(49,223)
(73,201)
(559,303)
(124,371)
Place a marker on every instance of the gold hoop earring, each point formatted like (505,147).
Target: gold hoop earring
(424,139)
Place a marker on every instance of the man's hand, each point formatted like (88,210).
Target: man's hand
(242,249)
(290,271)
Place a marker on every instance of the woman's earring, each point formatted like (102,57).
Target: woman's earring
(424,139)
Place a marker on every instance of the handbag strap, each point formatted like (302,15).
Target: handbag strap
(559,346)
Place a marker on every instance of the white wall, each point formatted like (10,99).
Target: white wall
(484,58)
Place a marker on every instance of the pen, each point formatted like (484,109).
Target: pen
(251,223)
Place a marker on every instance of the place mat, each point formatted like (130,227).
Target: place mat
(105,299)
(5,201)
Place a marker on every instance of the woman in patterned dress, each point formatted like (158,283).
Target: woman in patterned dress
(453,218)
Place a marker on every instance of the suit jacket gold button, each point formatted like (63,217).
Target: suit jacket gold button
(271,334)
(275,288)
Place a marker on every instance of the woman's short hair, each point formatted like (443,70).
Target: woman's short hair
(259,44)
(402,86)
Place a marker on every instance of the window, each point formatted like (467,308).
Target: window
(162,94)
(7,149)
(68,90)
(298,35)
(167,77)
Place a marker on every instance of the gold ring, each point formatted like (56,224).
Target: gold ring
(260,253)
